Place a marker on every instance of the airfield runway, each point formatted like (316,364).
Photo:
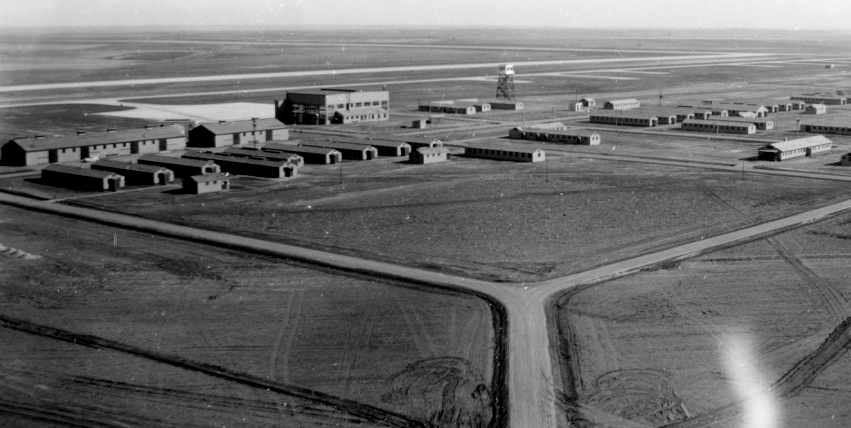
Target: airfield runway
(365,70)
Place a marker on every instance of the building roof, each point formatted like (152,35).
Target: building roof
(239,126)
(546,125)
(37,144)
(731,106)
(128,166)
(338,145)
(741,119)
(799,143)
(508,148)
(210,177)
(238,151)
(834,122)
(573,132)
(668,110)
(169,160)
(258,161)
(625,114)
(380,142)
(747,123)
(623,100)
(298,149)
(75,170)
(432,150)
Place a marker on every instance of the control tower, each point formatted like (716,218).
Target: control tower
(505,82)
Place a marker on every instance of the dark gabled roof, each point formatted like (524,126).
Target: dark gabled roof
(339,145)
(623,100)
(169,160)
(238,151)
(570,132)
(75,170)
(754,120)
(372,142)
(289,148)
(108,163)
(37,144)
(215,157)
(837,123)
(631,114)
(239,126)
(508,148)
(720,122)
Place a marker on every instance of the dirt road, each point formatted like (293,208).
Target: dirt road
(530,373)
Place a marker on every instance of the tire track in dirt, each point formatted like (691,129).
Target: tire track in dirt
(288,327)
(791,383)
(364,411)
(834,300)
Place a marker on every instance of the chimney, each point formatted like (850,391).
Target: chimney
(223,121)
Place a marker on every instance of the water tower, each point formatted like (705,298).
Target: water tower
(505,82)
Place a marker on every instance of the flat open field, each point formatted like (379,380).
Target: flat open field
(707,147)
(489,219)
(62,119)
(427,355)
(185,334)
(655,347)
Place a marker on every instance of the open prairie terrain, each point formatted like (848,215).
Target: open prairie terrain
(426,355)
(656,347)
(489,219)
(103,325)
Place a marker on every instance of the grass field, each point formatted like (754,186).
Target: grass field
(490,219)
(427,355)
(664,335)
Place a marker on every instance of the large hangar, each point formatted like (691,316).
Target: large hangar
(327,106)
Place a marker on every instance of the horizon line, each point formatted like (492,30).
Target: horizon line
(254,28)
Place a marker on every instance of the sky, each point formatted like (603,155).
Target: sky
(686,14)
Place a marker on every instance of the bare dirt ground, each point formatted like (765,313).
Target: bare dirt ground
(255,317)
(342,350)
(652,347)
(492,220)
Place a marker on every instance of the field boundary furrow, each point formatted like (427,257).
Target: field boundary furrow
(360,410)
